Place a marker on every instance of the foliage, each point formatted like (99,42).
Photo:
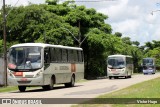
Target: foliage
(57,23)
(154,54)
(118,34)
(152,49)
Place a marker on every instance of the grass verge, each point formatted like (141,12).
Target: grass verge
(8,89)
(147,89)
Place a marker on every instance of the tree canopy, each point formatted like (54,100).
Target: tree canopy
(69,24)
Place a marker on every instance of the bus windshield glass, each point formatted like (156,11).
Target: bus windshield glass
(148,62)
(21,58)
(116,62)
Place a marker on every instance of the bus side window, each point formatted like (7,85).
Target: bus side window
(70,59)
(129,60)
(46,55)
(80,59)
(64,55)
(58,54)
(75,55)
(53,55)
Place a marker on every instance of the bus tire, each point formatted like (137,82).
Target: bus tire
(129,76)
(115,77)
(71,84)
(126,77)
(51,85)
(22,88)
(110,77)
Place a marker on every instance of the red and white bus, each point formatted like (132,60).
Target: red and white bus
(38,64)
(119,66)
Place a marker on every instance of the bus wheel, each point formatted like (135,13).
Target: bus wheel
(50,86)
(22,88)
(115,77)
(129,76)
(70,84)
(110,77)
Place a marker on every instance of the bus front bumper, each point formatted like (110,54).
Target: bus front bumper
(118,74)
(149,71)
(25,81)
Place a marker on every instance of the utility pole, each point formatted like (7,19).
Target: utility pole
(79,25)
(4,44)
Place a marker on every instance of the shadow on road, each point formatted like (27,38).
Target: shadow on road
(40,89)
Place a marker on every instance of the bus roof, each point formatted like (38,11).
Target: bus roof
(119,56)
(45,45)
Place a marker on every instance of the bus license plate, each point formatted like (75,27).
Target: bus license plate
(18,73)
(23,79)
(113,70)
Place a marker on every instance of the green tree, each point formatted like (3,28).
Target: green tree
(57,23)
(136,43)
(118,34)
(52,2)
(155,53)
(127,40)
(149,45)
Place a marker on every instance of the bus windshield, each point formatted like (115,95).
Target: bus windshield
(148,62)
(21,58)
(116,62)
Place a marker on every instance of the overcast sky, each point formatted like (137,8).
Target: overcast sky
(132,18)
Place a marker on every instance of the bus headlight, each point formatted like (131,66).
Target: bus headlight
(108,70)
(10,74)
(123,70)
(39,73)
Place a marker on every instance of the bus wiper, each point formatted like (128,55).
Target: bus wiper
(120,67)
(28,63)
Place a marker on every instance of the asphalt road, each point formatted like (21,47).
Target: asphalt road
(89,89)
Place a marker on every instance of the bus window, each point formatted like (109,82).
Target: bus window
(53,55)
(80,59)
(70,55)
(75,56)
(64,55)
(46,55)
(58,54)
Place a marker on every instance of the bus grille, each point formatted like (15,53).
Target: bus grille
(18,76)
(29,76)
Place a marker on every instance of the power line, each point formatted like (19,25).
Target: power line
(89,0)
(12,7)
(10,10)
(93,0)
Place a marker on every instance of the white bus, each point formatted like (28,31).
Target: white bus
(38,64)
(148,66)
(119,66)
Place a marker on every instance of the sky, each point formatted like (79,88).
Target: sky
(132,18)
